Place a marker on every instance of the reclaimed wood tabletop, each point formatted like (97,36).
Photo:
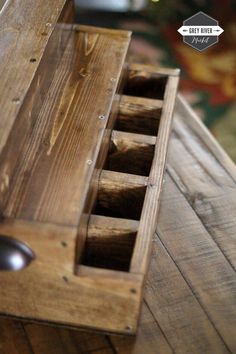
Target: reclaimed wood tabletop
(190,295)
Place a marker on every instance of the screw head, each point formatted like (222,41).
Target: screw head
(128,328)
(16,100)
(133,291)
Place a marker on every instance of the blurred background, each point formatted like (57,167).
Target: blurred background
(208,79)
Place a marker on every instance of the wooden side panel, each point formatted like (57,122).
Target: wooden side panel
(25,31)
(150,209)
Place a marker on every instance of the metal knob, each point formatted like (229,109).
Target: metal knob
(14,254)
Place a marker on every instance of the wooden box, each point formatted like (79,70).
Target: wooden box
(82,157)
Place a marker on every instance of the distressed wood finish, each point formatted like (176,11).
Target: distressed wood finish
(189,301)
(22,47)
(40,162)
(150,209)
(80,187)
(47,172)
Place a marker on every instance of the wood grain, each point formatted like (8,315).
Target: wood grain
(47,340)
(214,199)
(48,180)
(189,296)
(139,115)
(13,338)
(51,171)
(201,263)
(150,209)
(150,338)
(168,294)
(109,242)
(18,44)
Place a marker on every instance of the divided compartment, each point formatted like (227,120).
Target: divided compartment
(142,101)
(110,243)
(142,83)
(113,226)
(131,153)
(139,115)
(114,223)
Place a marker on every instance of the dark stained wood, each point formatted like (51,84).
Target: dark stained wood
(168,294)
(52,150)
(13,338)
(19,44)
(34,294)
(50,168)
(47,179)
(47,340)
(214,199)
(150,338)
(137,114)
(142,250)
(189,297)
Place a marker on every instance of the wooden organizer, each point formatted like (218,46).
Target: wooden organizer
(81,168)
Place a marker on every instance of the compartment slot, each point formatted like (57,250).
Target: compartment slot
(120,195)
(145,84)
(139,115)
(110,242)
(131,153)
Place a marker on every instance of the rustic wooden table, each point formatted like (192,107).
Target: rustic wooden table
(190,297)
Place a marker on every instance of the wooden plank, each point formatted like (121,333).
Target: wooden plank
(211,189)
(47,340)
(149,338)
(184,111)
(154,69)
(125,179)
(213,198)
(171,300)
(18,44)
(47,181)
(200,261)
(140,107)
(133,138)
(100,226)
(139,115)
(142,251)
(107,31)
(132,103)
(13,339)
(60,241)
